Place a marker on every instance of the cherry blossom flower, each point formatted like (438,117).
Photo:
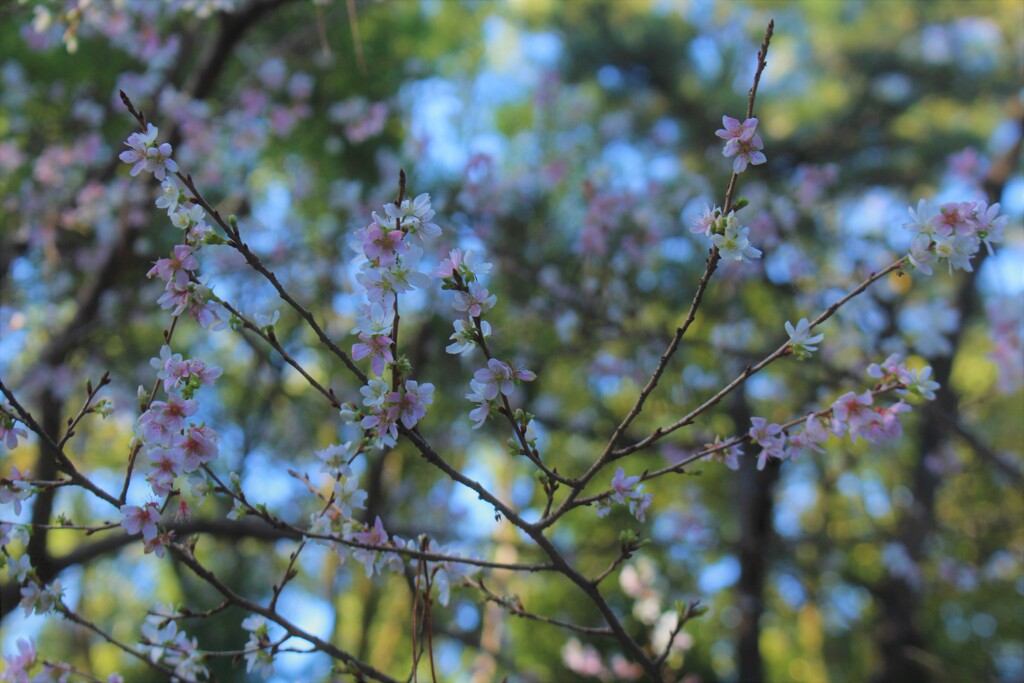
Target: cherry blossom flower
(800,338)
(770,438)
(989,225)
(402,275)
(482,411)
(955,218)
(13,532)
(205,308)
(377,347)
(742,141)
(410,406)
(475,301)
(257,653)
(40,600)
(158,544)
(729,456)
(891,369)
(335,459)
(957,250)
(702,224)
(198,446)
(734,130)
(18,568)
(139,144)
(177,373)
(734,242)
(135,519)
(921,253)
(371,559)
(955,233)
(808,438)
(348,495)
(883,424)
(145,154)
(170,195)
(381,422)
(623,486)
(923,219)
(850,412)
(415,216)
(165,465)
(469,266)
(170,368)
(625,491)
(16,488)
(495,378)
(264,321)
(164,420)
(176,269)
(176,298)
(375,319)
(464,338)
(8,432)
(17,669)
(375,392)
(383,246)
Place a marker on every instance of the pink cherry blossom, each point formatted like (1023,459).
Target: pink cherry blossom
(742,141)
(198,446)
(476,301)
(377,347)
(135,519)
(770,438)
(17,669)
(383,246)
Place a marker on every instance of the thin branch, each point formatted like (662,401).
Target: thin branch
(62,457)
(516,609)
(751,370)
(270,338)
(185,556)
(712,264)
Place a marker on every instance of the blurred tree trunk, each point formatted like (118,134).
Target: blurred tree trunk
(756,507)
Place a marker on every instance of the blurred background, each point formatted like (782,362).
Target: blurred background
(571,143)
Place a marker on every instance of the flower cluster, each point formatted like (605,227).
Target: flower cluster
(954,233)
(172,647)
(40,599)
(183,289)
(173,445)
(185,376)
(390,248)
(497,378)
(375,560)
(626,491)
(258,654)
(461,273)
(916,382)
(383,409)
(726,233)
(852,414)
(337,523)
(742,142)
